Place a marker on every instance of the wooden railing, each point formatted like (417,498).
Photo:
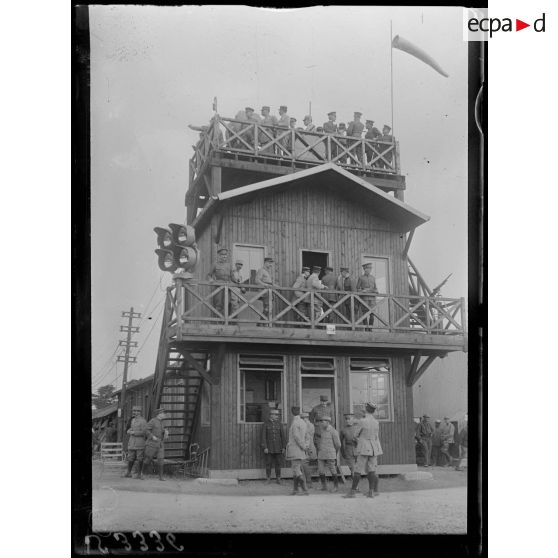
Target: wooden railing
(202,302)
(295,145)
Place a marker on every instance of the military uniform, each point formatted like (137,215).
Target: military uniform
(388,139)
(311,452)
(238,278)
(267,120)
(296,446)
(283,122)
(424,436)
(372,134)
(346,284)
(329,281)
(154,446)
(328,446)
(436,444)
(368,445)
(221,273)
(136,441)
(313,283)
(447,432)
(330,127)
(348,439)
(367,284)
(354,130)
(302,307)
(263,278)
(273,440)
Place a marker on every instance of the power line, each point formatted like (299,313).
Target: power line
(150,331)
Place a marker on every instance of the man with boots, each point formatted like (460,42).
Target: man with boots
(347,437)
(328,447)
(154,446)
(296,451)
(311,453)
(136,441)
(368,449)
(273,445)
(424,437)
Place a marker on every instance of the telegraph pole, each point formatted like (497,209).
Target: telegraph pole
(127,359)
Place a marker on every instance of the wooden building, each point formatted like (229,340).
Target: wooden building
(342,205)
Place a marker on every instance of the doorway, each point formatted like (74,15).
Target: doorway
(311,258)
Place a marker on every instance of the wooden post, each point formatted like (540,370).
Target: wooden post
(215,189)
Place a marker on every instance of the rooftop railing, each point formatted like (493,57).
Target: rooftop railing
(277,144)
(202,302)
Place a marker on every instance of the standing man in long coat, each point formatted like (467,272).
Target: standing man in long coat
(313,283)
(367,284)
(136,441)
(273,445)
(267,119)
(348,439)
(264,279)
(283,123)
(329,281)
(372,134)
(424,436)
(154,446)
(220,272)
(330,127)
(354,131)
(368,450)
(296,451)
(311,452)
(347,284)
(300,283)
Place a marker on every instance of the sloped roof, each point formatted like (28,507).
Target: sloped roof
(105,411)
(329,175)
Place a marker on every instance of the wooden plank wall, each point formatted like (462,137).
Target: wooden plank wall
(309,218)
(237,446)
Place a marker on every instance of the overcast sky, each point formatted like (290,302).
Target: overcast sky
(154,70)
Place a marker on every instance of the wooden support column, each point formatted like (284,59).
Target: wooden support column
(413,368)
(215,186)
(408,243)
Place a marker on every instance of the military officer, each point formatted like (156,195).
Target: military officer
(300,283)
(273,445)
(136,441)
(328,446)
(372,134)
(329,280)
(296,451)
(330,127)
(238,278)
(447,433)
(313,283)
(283,122)
(264,279)
(348,439)
(323,409)
(154,447)
(220,272)
(368,449)
(346,284)
(387,138)
(341,131)
(367,284)
(308,125)
(424,436)
(267,120)
(354,130)
(311,452)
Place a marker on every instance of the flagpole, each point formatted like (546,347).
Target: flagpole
(391,73)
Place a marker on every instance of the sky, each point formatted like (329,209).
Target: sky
(154,70)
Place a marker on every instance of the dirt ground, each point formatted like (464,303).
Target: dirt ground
(437,505)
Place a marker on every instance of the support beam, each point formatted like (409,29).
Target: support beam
(413,368)
(215,187)
(197,366)
(408,243)
(422,369)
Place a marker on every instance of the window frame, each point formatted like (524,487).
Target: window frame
(239,382)
(390,374)
(363,257)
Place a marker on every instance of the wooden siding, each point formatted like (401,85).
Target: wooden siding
(236,445)
(305,218)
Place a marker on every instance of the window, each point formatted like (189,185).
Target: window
(261,386)
(317,377)
(371,382)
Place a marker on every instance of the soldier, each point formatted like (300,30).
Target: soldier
(354,130)
(368,449)
(309,126)
(447,432)
(289,138)
(323,409)
(238,278)
(436,443)
(263,278)
(372,134)
(463,444)
(220,272)
(328,446)
(313,283)
(136,441)
(424,437)
(283,122)
(267,120)
(156,436)
(311,453)
(387,138)
(329,280)
(347,284)
(331,128)
(273,445)
(367,284)
(347,437)
(296,451)
(300,283)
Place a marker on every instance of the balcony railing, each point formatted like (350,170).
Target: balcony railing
(196,303)
(226,135)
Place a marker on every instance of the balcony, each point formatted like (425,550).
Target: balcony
(220,312)
(226,138)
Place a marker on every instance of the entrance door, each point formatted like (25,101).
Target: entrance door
(311,258)
(253,258)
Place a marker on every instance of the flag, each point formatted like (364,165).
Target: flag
(408,47)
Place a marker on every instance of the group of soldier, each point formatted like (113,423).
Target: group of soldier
(309,279)
(146,442)
(313,438)
(274,126)
(436,442)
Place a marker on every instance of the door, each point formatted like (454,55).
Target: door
(380,271)
(311,258)
(253,258)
